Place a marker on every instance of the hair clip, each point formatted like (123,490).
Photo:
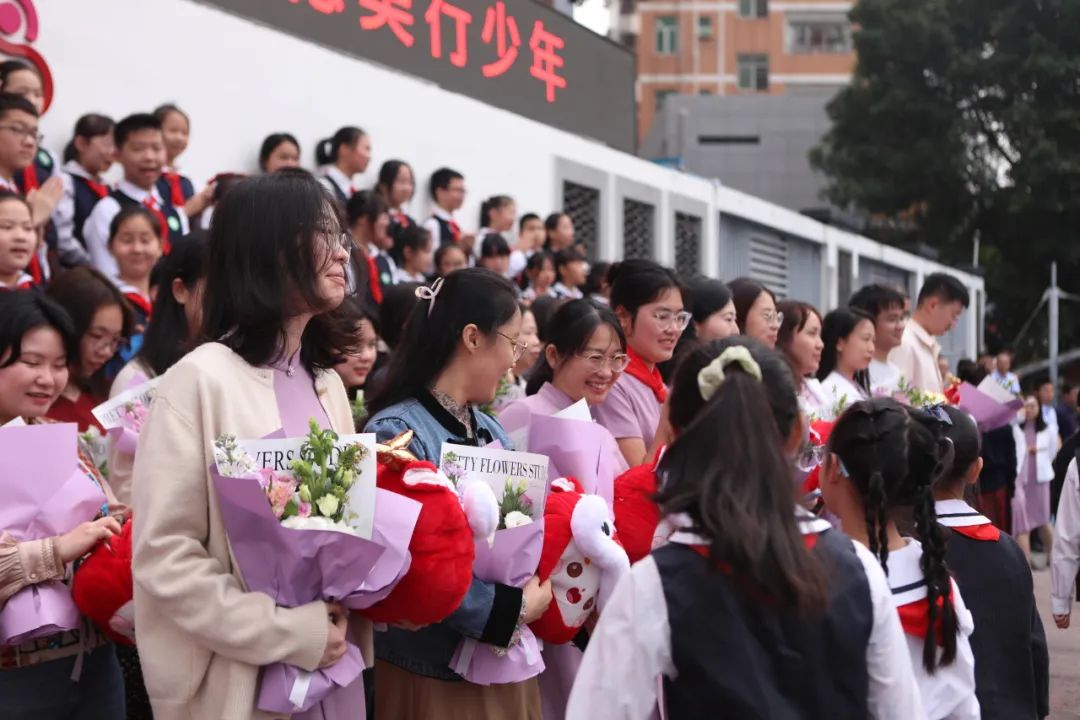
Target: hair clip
(429,293)
(712,377)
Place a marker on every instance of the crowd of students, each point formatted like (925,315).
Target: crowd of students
(308,298)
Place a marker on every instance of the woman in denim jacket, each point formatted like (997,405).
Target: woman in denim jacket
(462,338)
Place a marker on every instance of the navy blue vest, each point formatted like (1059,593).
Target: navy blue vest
(446,235)
(85,200)
(172,217)
(187,188)
(737,658)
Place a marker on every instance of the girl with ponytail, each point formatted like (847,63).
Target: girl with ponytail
(882,462)
(803,616)
(340,157)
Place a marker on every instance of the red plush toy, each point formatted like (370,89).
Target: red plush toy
(102,587)
(819,436)
(636,513)
(582,557)
(442,546)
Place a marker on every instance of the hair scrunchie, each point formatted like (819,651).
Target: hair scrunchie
(711,377)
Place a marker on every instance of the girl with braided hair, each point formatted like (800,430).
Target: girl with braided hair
(882,461)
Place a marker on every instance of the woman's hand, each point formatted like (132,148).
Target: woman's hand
(73,545)
(1062,621)
(537,598)
(338,618)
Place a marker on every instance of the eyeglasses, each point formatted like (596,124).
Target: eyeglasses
(809,457)
(773,318)
(25,132)
(667,318)
(519,347)
(597,361)
(336,242)
(112,343)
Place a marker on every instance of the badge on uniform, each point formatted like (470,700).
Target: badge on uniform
(174,224)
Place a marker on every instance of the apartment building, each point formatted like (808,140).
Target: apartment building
(734,47)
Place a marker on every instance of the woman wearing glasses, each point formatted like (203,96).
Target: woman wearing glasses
(103,323)
(755,310)
(648,300)
(462,338)
(275,281)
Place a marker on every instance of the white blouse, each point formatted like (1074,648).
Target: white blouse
(840,393)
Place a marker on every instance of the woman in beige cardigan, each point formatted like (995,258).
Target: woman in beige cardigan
(275,280)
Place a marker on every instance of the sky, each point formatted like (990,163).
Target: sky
(594,15)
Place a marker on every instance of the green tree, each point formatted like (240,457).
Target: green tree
(963,120)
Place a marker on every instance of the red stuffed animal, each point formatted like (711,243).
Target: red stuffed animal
(637,515)
(582,557)
(102,587)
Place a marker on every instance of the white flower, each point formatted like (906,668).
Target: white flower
(328,505)
(316,523)
(516,519)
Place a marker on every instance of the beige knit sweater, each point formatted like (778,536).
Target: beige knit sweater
(201,636)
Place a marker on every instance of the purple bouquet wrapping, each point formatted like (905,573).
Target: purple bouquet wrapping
(46,493)
(579,449)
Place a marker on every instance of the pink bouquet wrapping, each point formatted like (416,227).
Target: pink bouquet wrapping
(299,548)
(579,449)
(990,406)
(46,493)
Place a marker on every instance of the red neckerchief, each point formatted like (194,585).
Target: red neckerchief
(151,204)
(986,532)
(400,218)
(455,230)
(638,370)
(176,190)
(35,269)
(971,524)
(915,618)
(100,189)
(29,178)
(373,279)
(137,299)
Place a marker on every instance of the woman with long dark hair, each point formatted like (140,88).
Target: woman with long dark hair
(1036,445)
(881,462)
(800,341)
(847,335)
(755,310)
(275,281)
(462,338)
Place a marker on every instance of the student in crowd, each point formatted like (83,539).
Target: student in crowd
(572,270)
(460,341)
(36,341)
(497,215)
(279,150)
(135,244)
(1011,661)
(543,308)
(848,338)
(1036,445)
(1066,410)
(494,254)
(769,581)
(530,240)
(540,275)
(882,463)
(180,189)
(559,229)
(339,158)
(355,367)
(22,79)
(755,310)
(141,152)
(597,288)
(512,388)
(103,323)
(18,240)
(18,147)
(1002,372)
(885,304)
(87,157)
(713,318)
(1045,394)
(413,255)
(800,341)
(394,312)
(172,332)
(447,189)
(274,287)
(941,301)
(396,184)
(648,300)
(369,223)
(449,258)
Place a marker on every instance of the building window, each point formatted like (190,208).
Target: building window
(667,35)
(753,8)
(820,37)
(660,97)
(753,72)
(582,204)
(704,27)
(639,223)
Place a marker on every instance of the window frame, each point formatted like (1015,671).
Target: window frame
(666,33)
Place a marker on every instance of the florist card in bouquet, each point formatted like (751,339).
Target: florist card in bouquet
(518,479)
(128,409)
(279,454)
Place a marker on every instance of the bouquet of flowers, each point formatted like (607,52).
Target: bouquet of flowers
(123,416)
(509,554)
(581,449)
(46,493)
(301,527)
(920,398)
(359,410)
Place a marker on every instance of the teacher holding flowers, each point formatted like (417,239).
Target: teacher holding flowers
(273,331)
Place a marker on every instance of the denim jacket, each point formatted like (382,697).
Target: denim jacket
(489,611)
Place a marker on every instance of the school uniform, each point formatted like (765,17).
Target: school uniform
(841,393)
(385,267)
(677,631)
(562,291)
(1009,645)
(399,220)
(38,269)
(950,691)
(403,276)
(24,281)
(96,229)
(529,294)
(176,187)
(443,227)
(82,191)
(338,183)
(46,164)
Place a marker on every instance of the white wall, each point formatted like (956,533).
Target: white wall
(240,81)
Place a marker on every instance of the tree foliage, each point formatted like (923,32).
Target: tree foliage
(963,120)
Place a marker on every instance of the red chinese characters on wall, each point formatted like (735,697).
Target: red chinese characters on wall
(500,33)
(16,15)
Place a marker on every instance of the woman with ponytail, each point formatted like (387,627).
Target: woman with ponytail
(340,157)
(803,615)
(882,462)
(1011,660)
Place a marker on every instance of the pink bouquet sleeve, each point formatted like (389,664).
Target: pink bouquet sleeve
(582,450)
(46,494)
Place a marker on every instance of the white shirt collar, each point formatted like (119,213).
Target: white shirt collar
(343,182)
(442,214)
(23,278)
(137,193)
(963,515)
(74,167)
